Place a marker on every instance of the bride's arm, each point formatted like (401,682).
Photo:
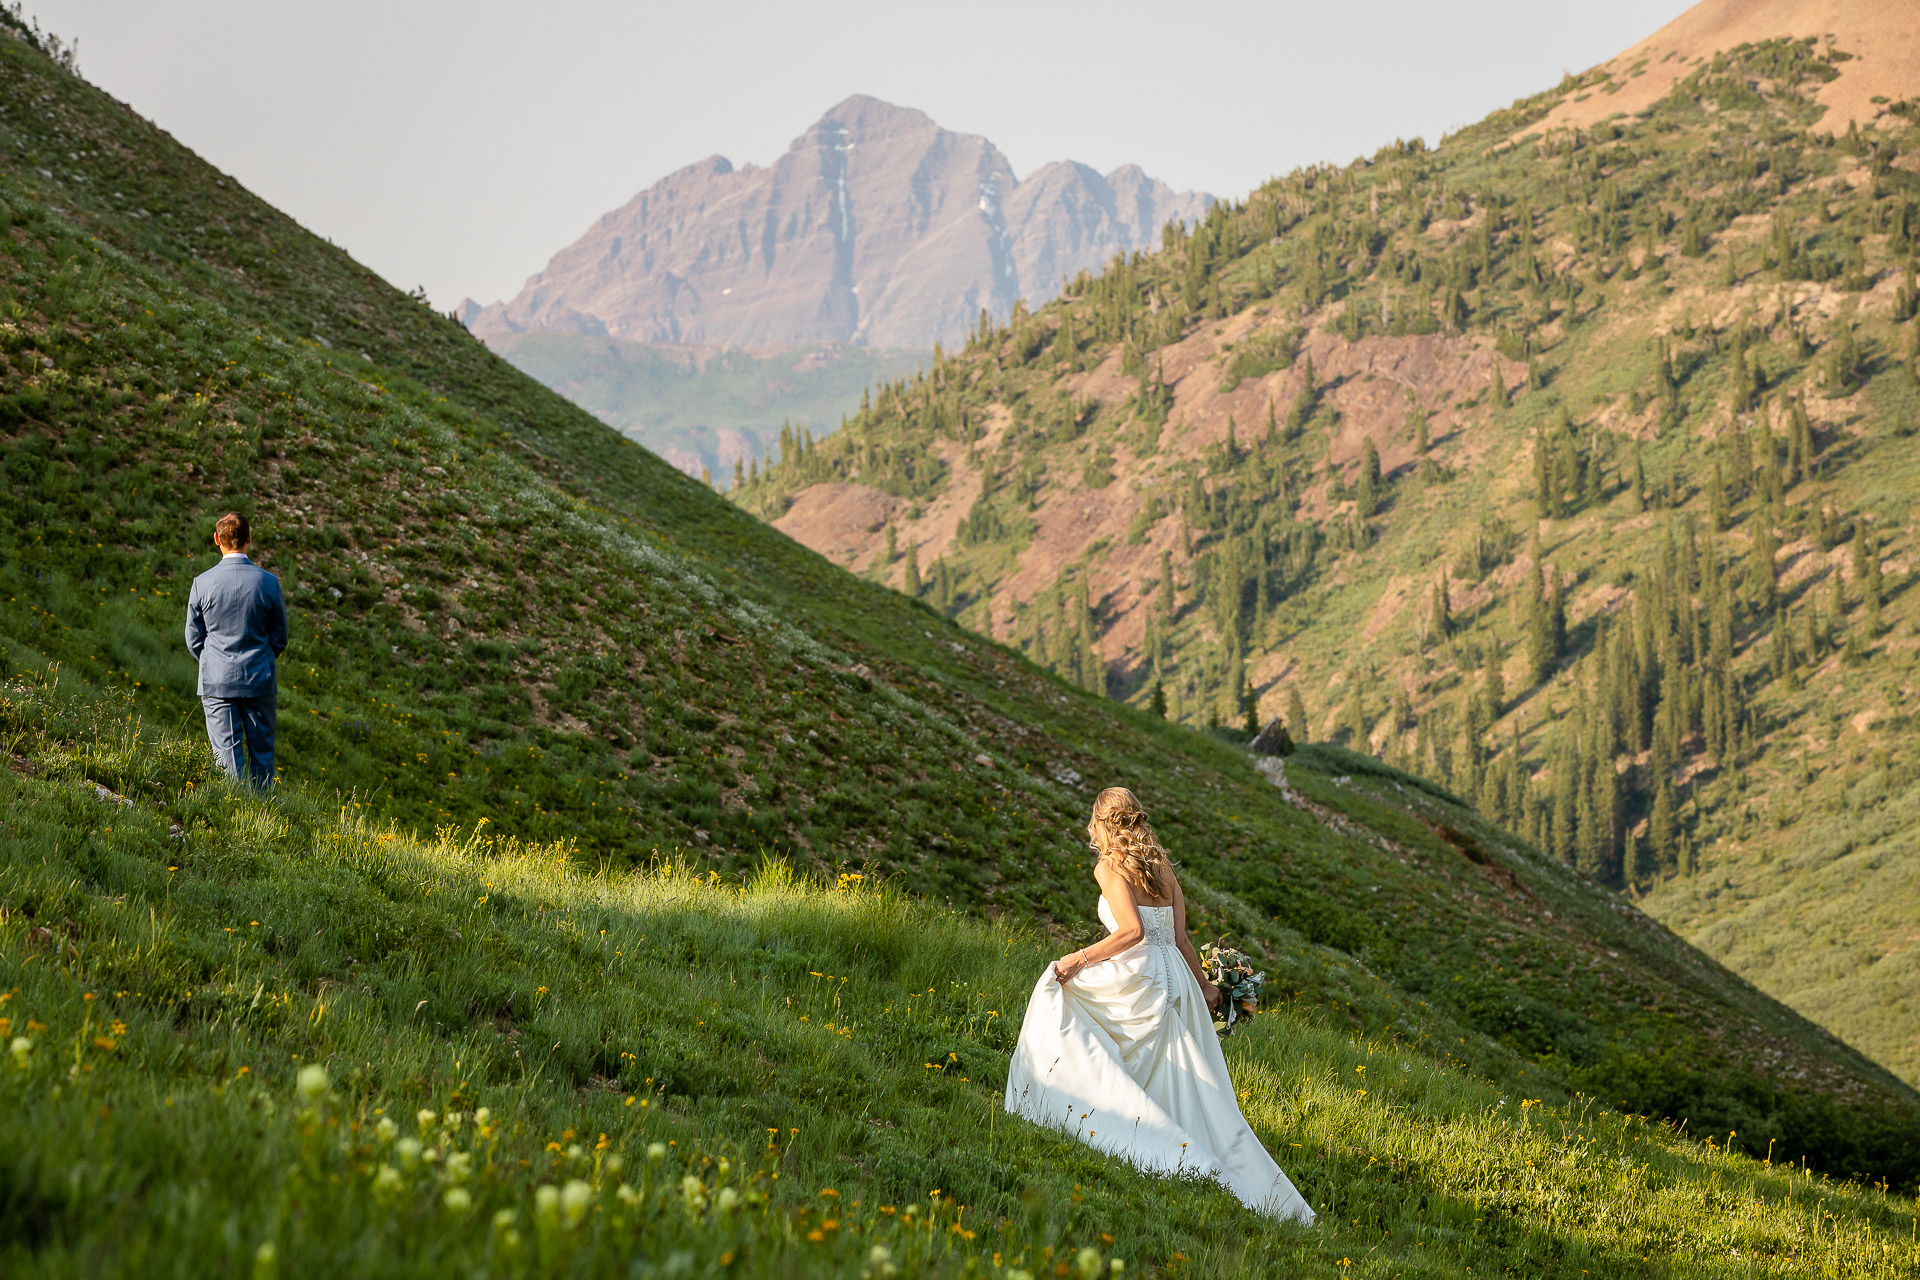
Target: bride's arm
(1207,989)
(1114,887)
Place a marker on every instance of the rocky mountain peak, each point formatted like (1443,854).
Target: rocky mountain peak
(876,227)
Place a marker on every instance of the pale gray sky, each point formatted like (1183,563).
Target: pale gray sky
(460,143)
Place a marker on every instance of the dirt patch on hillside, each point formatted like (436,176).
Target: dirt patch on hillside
(847,522)
(1882,37)
(844,522)
(1372,384)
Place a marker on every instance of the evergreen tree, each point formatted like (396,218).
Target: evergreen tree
(1875,583)
(1780,646)
(1595,487)
(1565,788)
(1493,686)
(1305,403)
(1166,584)
(1717,514)
(910,581)
(1539,631)
(1441,609)
(1297,723)
(1800,442)
(1663,824)
(942,585)
(1546,500)
(1740,376)
(1158,703)
(1589,827)
(1842,369)
(1357,724)
(1762,574)
(1639,481)
(1367,492)
(1556,614)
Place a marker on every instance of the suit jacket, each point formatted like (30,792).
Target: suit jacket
(236,627)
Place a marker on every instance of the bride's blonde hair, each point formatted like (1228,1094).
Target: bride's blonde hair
(1119,833)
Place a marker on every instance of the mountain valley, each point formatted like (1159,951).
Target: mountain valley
(1569,462)
(644,893)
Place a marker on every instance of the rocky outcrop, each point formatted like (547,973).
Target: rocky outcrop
(876,227)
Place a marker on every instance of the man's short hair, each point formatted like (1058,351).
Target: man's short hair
(232,530)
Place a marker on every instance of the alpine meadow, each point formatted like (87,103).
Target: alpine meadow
(644,894)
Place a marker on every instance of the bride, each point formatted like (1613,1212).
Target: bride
(1118,1046)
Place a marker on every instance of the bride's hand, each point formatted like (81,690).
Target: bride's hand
(1066,966)
(1212,994)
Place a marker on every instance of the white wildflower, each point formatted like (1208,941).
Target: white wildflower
(312,1081)
(574,1200)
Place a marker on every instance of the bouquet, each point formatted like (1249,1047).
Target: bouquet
(1233,972)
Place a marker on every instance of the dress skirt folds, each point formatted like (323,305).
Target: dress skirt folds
(1125,1058)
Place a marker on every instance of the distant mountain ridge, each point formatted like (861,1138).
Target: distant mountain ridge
(877,227)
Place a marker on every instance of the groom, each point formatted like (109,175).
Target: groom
(236,627)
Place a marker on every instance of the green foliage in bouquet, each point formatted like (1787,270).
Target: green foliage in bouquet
(1239,982)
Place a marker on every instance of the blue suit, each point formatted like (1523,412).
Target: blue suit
(236,627)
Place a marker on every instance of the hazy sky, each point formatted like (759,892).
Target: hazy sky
(459,145)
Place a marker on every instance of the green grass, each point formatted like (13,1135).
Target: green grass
(510,621)
(826,1062)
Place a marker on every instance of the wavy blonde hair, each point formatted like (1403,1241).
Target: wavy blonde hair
(1119,833)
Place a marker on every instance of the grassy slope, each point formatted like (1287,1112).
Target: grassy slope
(1801,875)
(505,612)
(704,409)
(826,1065)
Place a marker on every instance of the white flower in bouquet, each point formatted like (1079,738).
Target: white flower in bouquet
(1239,982)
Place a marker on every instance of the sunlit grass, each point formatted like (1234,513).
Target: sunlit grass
(824,1060)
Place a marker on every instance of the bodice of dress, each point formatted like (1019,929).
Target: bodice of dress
(1157,921)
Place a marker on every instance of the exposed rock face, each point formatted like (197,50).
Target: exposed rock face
(877,227)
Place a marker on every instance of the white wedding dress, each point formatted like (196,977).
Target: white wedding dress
(1124,1057)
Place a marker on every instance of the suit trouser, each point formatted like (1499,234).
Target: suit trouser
(241,731)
